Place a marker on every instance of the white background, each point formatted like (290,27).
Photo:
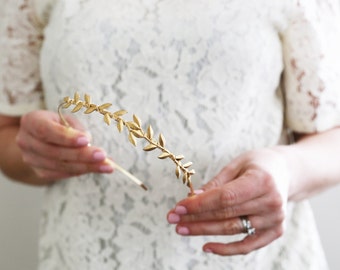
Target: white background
(19,218)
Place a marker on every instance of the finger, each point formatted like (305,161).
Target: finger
(229,226)
(245,246)
(46,127)
(64,167)
(52,151)
(264,205)
(227,174)
(50,177)
(226,227)
(243,189)
(74,123)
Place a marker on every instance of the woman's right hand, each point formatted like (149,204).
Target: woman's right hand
(54,151)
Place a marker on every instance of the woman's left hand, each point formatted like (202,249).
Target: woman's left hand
(254,185)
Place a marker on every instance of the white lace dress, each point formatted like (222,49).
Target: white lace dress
(216,77)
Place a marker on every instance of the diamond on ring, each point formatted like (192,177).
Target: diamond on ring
(247,228)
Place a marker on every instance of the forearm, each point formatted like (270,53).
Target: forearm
(314,163)
(11,162)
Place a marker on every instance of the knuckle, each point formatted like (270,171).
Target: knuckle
(267,180)
(21,142)
(275,203)
(231,211)
(264,178)
(227,197)
(217,181)
(200,203)
(214,183)
(232,227)
(65,166)
(41,130)
(72,168)
(225,213)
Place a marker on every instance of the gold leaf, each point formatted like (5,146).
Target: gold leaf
(178,172)
(91,109)
(107,119)
(164,155)
(76,97)
(138,133)
(179,157)
(187,165)
(78,106)
(66,105)
(137,120)
(87,99)
(192,172)
(185,178)
(67,99)
(150,147)
(119,113)
(135,131)
(132,125)
(120,125)
(104,106)
(132,139)
(149,132)
(161,140)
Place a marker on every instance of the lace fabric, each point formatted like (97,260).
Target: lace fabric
(20,47)
(311,48)
(208,76)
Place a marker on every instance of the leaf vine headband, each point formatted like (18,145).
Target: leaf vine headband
(135,131)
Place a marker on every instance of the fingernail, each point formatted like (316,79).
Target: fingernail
(106,168)
(180,210)
(183,230)
(98,156)
(173,218)
(207,250)
(83,141)
(198,191)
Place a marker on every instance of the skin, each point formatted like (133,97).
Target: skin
(37,149)
(258,184)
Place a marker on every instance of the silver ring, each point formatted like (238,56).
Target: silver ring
(247,228)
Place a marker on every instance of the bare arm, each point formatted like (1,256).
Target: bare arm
(258,184)
(11,162)
(315,161)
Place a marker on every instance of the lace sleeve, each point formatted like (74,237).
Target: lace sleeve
(311,47)
(20,42)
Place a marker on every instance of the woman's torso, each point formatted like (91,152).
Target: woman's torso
(206,74)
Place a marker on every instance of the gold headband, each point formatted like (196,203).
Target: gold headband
(135,131)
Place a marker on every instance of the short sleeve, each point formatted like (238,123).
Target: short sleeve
(311,49)
(20,43)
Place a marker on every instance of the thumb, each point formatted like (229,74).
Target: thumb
(75,124)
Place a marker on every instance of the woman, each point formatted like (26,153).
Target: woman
(227,83)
